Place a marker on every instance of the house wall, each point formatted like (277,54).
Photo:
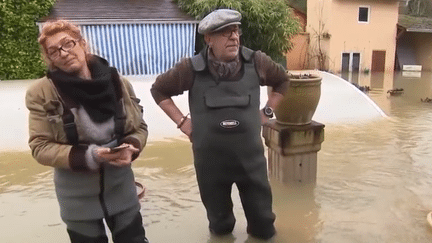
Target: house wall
(148,48)
(340,20)
(296,58)
(318,22)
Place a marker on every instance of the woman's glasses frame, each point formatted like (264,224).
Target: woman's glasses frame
(68,45)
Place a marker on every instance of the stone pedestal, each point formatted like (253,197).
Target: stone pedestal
(292,150)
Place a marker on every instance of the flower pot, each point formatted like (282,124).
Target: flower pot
(301,100)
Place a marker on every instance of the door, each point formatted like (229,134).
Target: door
(350,66)
(378,61)
(345,65)
(355,67)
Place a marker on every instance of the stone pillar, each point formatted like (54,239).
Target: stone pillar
(292,150)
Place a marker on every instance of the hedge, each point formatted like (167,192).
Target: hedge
(20,57)
(267,25)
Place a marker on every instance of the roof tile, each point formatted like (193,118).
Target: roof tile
(165,10)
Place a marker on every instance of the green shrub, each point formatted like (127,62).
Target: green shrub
(267,25)
(20,57)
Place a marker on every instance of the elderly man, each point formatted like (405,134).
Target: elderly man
(224,100)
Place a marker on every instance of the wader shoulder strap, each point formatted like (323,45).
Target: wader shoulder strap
(198,63)
(69,126)
(68,118)
(119,120)
(120,116)
(247,54)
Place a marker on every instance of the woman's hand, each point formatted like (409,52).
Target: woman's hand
(122,157)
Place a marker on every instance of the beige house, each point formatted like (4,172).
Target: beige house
(352,36)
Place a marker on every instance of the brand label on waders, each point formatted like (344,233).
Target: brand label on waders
(229,123)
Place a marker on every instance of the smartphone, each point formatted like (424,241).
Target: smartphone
(118,148)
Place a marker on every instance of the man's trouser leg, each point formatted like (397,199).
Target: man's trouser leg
(256,197)
(215,191)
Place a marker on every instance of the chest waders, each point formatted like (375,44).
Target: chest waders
(227,146)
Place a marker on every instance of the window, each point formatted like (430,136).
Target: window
(363,15)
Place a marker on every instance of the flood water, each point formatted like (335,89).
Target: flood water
(374,181)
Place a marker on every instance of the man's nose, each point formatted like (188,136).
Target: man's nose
(63,53)
(234,35)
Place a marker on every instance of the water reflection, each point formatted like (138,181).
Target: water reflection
(26,197)
(172,209)
(374,80)
(297,212)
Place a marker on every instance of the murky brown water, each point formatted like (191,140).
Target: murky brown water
(374,181)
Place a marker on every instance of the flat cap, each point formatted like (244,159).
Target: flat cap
(219,19)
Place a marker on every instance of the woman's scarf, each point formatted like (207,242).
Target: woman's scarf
(97,96)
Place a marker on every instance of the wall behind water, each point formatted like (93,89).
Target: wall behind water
(14,125)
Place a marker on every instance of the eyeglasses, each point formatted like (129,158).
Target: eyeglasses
(54,53)
(228,32)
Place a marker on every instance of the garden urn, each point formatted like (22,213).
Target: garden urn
(300,101)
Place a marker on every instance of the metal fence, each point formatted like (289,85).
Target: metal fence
(141,48)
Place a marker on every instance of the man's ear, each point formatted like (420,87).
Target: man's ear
(207,40)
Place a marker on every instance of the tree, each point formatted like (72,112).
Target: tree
(267,25)
(20,56)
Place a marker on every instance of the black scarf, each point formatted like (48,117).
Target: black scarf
(97,96)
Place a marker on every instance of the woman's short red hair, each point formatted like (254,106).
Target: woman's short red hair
(51,28)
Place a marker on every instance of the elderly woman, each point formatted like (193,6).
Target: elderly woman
(79,112)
